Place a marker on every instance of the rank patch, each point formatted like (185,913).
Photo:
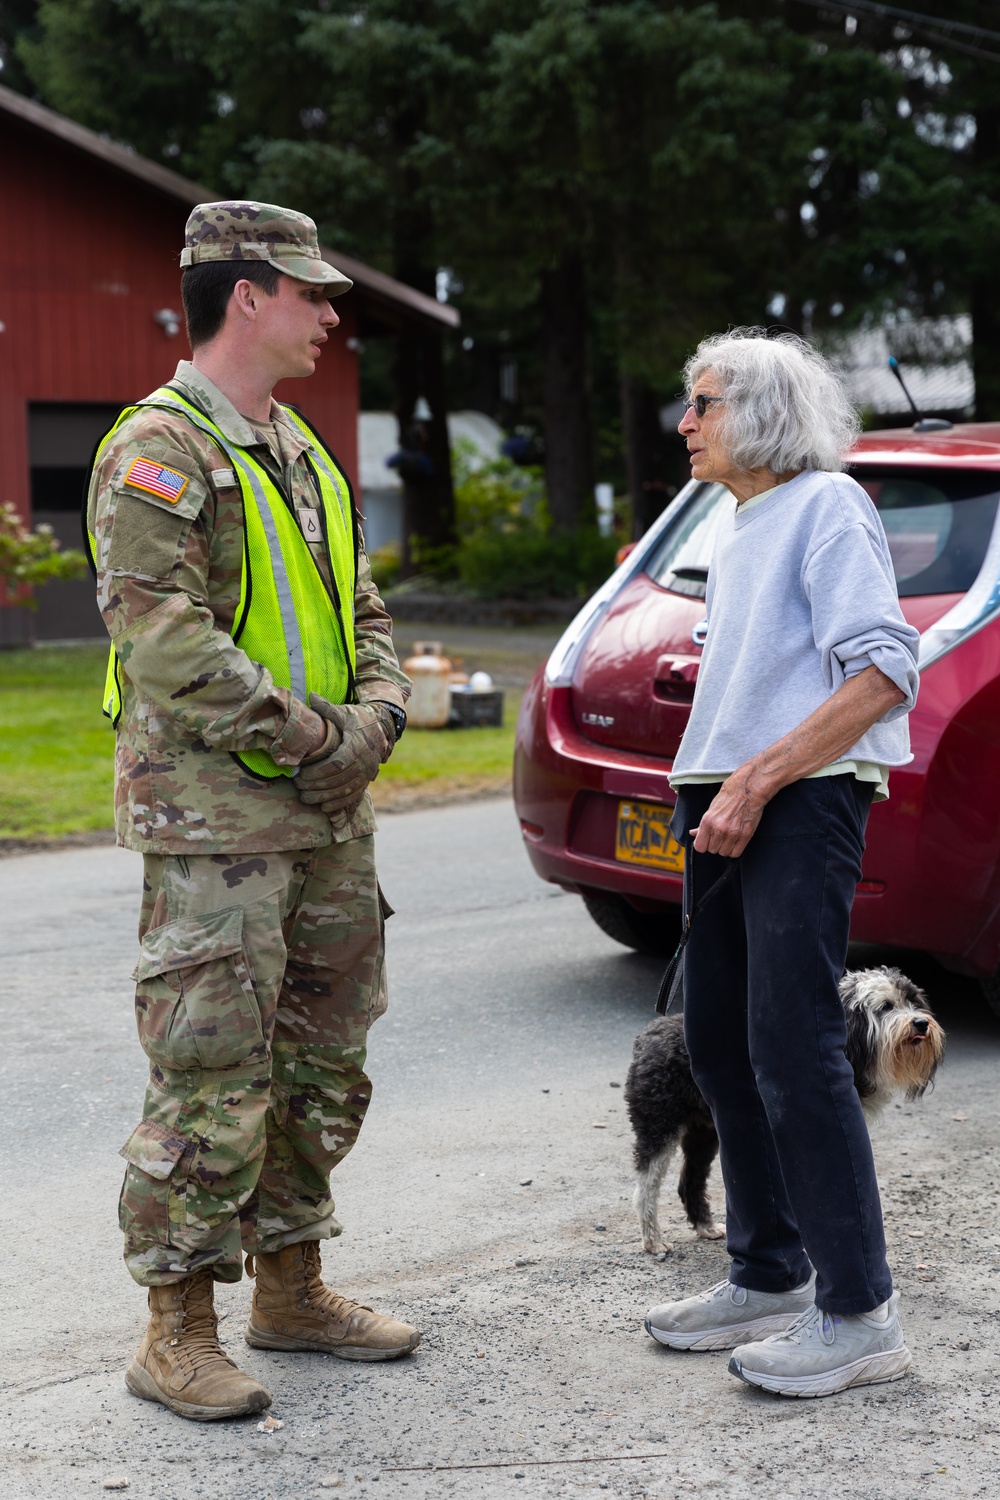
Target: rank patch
(143,474)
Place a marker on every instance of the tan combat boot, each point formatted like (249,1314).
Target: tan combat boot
(292,1309)
(180,1363)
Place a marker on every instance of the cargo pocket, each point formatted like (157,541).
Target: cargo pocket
(153,1153)
(195,1002)
(155,1149)
(379,1002)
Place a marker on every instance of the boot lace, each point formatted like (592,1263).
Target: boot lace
(196,1342)
(313,1290)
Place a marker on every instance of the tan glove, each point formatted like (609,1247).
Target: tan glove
(364,735)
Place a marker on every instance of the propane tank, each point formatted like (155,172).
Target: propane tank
(429,670)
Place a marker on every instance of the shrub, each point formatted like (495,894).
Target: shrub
(495,495)
(535,565)
(386,562)
(506,547)
(31,558)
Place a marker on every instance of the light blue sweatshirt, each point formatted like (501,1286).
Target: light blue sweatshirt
(801,596)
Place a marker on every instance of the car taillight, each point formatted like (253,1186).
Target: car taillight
(976,609)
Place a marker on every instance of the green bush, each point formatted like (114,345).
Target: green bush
(495,496)
(30,558)
(386,562)
(530,565)
(507,548)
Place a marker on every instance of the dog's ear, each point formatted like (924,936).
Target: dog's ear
(915,995)
(861,1049)
(908,992)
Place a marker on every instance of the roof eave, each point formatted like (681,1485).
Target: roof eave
(386,289)
(110,152)
(376,285)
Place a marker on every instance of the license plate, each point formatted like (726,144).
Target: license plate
(644,837)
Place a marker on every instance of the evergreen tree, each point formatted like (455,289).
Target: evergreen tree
(610,179)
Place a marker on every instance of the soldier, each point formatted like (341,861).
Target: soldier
(255,693)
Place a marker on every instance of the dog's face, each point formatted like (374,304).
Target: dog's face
(893,1041)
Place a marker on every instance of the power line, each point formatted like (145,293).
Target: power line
(875,7)
(936,29)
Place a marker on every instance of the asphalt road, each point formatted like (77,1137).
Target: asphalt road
(472,1205)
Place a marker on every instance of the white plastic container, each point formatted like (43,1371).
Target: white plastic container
(430,672)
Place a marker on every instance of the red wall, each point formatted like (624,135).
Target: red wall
(89,255)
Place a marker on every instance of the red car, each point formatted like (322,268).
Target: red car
(602,720)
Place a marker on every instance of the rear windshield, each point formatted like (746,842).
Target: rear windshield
(938,524)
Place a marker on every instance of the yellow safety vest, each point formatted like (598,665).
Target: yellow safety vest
(287,619)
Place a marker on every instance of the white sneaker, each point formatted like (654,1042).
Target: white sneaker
(725,1315)
(823,1353)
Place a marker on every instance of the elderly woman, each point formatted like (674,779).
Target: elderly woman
(808,673)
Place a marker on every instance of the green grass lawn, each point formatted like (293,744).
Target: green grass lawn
(439,765)
(56,748)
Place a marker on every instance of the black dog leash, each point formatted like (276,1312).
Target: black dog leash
(670,983)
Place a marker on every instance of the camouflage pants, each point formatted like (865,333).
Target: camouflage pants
(257,980)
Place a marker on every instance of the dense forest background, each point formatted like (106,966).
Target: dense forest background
(595,183)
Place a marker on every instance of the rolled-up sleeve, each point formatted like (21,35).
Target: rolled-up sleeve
(857,621)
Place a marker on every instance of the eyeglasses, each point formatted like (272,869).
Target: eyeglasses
(701,403)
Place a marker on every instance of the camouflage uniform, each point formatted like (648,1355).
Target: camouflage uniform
(261,963)
(258,978)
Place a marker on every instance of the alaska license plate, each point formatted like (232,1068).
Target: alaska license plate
(644,837)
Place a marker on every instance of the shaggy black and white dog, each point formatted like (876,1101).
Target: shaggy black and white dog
(894,1045)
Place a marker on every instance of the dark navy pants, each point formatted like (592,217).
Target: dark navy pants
(766,1033)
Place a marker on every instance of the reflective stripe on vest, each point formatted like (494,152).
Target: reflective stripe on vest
(286,620)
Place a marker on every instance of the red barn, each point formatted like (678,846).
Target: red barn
(90,319)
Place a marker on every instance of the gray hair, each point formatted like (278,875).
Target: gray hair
(786,407)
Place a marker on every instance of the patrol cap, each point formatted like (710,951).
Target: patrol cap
(260,231)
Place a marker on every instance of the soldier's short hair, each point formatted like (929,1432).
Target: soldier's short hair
(207,287)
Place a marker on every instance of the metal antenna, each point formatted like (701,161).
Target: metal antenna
(894,367)
(922,424)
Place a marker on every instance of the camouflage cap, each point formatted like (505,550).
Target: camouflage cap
(260,231)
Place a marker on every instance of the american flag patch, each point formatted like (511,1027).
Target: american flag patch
(166,483)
